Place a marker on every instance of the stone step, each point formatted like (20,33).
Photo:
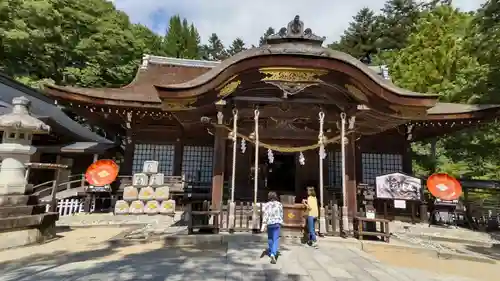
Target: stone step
(18,200)
(16,211)
(19,222)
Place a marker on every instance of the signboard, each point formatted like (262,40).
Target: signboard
(398,186)
(105,188)
(400,204)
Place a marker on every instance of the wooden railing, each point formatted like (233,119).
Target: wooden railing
(201,217)
(45,189)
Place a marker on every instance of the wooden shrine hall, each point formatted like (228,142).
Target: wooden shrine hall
(304,115)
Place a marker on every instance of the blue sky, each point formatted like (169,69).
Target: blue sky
(249,19)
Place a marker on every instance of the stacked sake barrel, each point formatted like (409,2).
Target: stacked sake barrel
(148,194)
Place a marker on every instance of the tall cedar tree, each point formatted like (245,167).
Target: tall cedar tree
(237,46)
(181,39)
(361,36)
(398,21)
(214,50)
(270,31)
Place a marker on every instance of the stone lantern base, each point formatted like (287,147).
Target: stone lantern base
(23,221)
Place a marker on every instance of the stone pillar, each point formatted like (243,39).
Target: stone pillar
(232,216)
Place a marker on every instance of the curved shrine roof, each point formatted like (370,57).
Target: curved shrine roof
(293,59)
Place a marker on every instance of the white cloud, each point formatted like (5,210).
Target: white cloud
(248,20)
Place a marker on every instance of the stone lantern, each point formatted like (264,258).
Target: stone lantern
(15,150)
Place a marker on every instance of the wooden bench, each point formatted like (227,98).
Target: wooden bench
(360,232)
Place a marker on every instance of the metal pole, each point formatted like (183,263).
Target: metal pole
(256,163)
(345,219)
(321,156)
(235,138)
(255,213)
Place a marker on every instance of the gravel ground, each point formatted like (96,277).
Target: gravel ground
(424,230)
(473,270)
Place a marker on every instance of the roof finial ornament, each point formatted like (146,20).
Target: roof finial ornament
(295,27)
(295,32)
(145,61)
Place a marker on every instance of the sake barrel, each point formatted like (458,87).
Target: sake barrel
(130,193)
(146,193)
(152,207)
(121,207)
(136,207)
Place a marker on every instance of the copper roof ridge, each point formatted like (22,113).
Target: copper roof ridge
(147,59)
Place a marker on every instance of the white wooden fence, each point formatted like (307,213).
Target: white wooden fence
(68,207)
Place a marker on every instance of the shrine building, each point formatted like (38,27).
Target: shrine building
(292,97)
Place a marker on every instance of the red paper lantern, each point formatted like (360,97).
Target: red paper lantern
(102,172)
(444,187)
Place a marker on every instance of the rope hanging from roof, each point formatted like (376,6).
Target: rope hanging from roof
(286,149)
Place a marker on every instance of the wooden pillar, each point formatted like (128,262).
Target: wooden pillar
(128,154)
(219,166)
(407,161)
(178,154)
(351,176)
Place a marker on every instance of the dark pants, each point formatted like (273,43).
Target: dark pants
(273,236)
(311,221)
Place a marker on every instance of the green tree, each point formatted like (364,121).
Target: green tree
(182,39)
(174,43)
(397,22)
(237,46)
(480,147)
(438,59)
(193,43)
(214,50)
(147,41)
(484,41)
(84,43)
(448,68)
(270,31)
(361,36)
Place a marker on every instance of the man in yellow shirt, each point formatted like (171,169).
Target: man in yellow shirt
(312,214)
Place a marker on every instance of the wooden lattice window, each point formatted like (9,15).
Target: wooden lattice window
(334,169)
(162,153)
(377,164)
(197,163)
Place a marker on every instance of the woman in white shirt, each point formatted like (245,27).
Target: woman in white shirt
(272,220)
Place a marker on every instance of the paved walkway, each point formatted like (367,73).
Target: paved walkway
(84,255)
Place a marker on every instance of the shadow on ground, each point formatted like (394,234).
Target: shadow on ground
(492,252)
(114,262)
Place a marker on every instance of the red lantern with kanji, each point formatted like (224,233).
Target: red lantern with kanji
(444,187)
(102,172)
